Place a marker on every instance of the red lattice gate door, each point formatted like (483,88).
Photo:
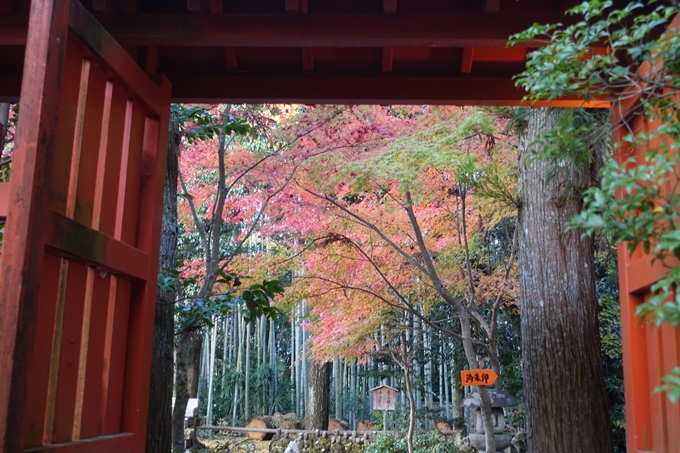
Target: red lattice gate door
(78,266)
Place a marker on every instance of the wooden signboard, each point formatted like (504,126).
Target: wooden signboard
(383,398)
(477,377)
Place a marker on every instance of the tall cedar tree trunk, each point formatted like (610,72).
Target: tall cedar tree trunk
(564,391)
(159,422)
(318,405)
(338,390)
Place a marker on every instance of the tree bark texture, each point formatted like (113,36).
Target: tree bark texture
(411,406)
(159,423)
(318,404)
(186,374)
(566,409)
(194,368)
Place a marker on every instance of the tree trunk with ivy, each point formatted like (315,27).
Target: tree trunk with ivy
(566,409)
(159,423)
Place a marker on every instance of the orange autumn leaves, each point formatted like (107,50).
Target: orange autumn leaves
(339,223)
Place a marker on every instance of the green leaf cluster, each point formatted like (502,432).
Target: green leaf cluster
(597,54)
(672,385)
(431,442)
(198,123)
(195,313)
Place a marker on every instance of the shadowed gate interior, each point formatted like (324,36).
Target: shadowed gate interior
(82,210)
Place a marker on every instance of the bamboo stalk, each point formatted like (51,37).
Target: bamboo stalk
(211,376)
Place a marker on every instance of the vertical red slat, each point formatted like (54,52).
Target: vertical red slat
(88,200)
(143,309)
(55,357)
(133,182)
(636,381)
(22,257)
(36,401)
(92,358)
(62,369)
(670,340)
(115,306)
(70,353)
(116,127)
(78,140)
(61,161)
(123,174)
(87,177)
(94,391)
(83,355)
(102,157)
(657,401)
(112,421)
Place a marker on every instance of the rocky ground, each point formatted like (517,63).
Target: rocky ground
(229,444)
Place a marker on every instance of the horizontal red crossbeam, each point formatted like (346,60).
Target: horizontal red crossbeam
(330,89)
(86,244)
(104,444)
(302,30)
(311,30)
(644,272)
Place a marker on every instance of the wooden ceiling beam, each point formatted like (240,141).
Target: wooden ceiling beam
(297,30)
(105,6)
(297,6)
(127,6)
(387,59)
(197,6)
(7,6)
(307,59)
(216,6)
(151,60)
(492,6)
(466,61)
(327,89)
(292,6)
(230,59)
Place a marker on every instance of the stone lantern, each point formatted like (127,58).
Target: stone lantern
(499,400)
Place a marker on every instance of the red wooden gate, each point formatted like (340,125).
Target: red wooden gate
(79,260)
(652,422)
